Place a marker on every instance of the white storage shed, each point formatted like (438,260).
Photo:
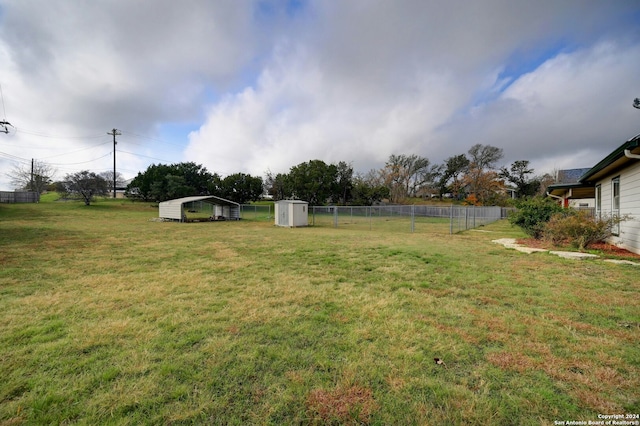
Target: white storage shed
(292,213)
(220,209)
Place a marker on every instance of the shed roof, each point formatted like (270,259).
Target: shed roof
(293,201)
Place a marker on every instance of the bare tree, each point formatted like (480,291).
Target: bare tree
(85,184)
(34,177)
(404,175)
(481,180)
(108,176)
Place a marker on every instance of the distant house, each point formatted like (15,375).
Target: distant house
(570,191)
(615,186)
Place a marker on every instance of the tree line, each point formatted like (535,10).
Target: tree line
(473,177)
(163,182)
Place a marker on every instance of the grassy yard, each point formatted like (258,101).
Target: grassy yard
(107,317)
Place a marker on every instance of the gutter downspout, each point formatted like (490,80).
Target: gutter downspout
(562,200)
(628,154)
(554,196)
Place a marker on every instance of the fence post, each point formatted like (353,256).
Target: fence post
(413,218)
(335,216)
(474,216)
(451,220)
(466,218)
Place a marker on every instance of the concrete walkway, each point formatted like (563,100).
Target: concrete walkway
(512,244)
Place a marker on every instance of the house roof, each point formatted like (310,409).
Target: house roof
(584,185)
(612,162)
(204,198)
(571,175)
(568,182)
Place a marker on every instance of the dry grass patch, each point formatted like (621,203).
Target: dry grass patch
(351,405)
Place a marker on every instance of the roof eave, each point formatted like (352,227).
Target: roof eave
(608,162)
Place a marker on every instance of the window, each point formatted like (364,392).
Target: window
(615,191)
(598,201)
(615,203)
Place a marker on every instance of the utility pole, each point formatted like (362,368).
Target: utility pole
(115,133)
(31,175)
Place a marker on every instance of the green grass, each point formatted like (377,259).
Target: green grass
(107,317)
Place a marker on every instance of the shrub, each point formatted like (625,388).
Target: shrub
(532,214)
(579,228)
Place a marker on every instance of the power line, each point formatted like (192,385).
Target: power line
(47,135)
(73,152)
(151,138)
(14,157)
(146,156)
(82,162)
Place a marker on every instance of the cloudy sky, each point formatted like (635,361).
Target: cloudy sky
(258,85)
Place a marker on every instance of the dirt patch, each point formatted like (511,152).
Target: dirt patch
(603,249)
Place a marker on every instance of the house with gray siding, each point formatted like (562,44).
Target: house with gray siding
(615,185)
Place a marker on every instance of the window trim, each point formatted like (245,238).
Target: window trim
(615,203)
(615,199)
(598,201)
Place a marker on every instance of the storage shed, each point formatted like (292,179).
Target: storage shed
(216,207)
(292,213)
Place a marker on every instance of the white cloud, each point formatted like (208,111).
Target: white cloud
(267,86)
(570,112)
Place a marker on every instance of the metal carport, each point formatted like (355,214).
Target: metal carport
(221,209)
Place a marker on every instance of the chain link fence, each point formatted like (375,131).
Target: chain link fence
(257,211)
(414,218)
(19,197)
(406,218)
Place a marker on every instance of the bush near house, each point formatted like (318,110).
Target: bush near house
(532,214)
(579,229)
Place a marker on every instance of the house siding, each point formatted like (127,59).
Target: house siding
(629,236)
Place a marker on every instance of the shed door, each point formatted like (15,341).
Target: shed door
(284,215)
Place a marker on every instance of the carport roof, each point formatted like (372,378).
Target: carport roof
(211,199)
